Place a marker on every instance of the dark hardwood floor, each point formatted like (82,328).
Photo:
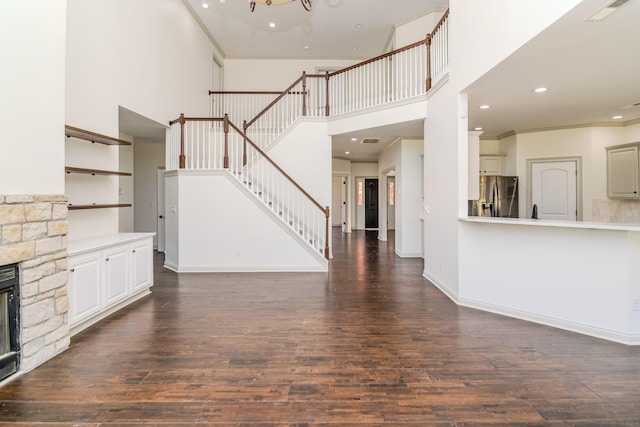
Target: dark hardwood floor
(370,343)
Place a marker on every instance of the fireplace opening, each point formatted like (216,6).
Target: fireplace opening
(9,320)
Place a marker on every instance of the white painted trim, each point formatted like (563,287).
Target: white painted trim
(629,339)
(408,254)
(171,266)
(247,269)
(453,296)
(409,101)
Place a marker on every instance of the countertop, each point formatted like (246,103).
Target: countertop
(76,247)
(552,223)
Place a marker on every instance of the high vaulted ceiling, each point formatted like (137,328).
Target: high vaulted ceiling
(332,29)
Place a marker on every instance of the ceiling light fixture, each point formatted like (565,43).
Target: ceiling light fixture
(616,117)
(354,139)
(347,152)
(272,24)
(478,128)
(485,107)
(252,3)
(540,89)
(205,5)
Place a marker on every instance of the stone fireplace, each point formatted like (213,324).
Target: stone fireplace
(33,234)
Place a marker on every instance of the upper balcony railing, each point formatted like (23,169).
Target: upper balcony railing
(398,75)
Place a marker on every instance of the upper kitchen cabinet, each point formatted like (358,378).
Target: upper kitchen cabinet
(491,165)
(622,171)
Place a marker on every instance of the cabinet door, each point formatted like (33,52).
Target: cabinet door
(84,287)
(622,172)
(490,165)
(142,264)
(116,275)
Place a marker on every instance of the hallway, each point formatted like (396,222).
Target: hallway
(369,343)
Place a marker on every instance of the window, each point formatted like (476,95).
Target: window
(392,193)
(360,193)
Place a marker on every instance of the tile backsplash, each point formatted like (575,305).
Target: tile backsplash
(616,210)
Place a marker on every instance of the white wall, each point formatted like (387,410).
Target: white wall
(131,54)
(409,198)
(222,228)
(483,33)
(442,193)
(125,185)
(304,153)
(32,106)
(273,74)
(148,158)
(416,29)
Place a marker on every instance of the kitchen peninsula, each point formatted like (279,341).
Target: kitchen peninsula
(579,276)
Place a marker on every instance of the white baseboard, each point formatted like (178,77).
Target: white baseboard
(245,269)
(580,328)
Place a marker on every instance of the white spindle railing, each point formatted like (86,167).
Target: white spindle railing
(205,145)
(439,54)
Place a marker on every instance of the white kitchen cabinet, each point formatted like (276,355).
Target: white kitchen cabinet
(116,274)
(84,292)
(106,274)
(491,165)
(622,171)
(141,265)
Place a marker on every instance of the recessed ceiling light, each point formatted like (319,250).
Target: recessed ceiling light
(359,26)
(354,48)
(477,128)
(540,89)
(484,107)
(205,4)
(347,152)
(354,139)
(616,117)
(272,24)
(306,48)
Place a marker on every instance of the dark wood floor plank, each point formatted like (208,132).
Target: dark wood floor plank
(369,343)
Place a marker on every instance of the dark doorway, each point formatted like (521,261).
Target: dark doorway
(370,203)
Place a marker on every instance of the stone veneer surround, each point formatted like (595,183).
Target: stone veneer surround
(33,233)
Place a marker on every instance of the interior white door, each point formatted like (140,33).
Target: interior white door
(161,221)
(554,190)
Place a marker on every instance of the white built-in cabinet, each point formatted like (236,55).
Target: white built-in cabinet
(623,179)
(107,273)
(491,165)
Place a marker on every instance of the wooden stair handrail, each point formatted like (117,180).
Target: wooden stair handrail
(326,210)
(282,94)
(278,168)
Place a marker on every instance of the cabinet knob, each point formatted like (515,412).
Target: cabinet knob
(106,259)
(72,270)
(134,251)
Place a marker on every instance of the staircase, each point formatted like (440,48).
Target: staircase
(245,125)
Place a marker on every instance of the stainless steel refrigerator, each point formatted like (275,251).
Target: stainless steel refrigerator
(498,197)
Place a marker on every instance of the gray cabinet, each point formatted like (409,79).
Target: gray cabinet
(622,171)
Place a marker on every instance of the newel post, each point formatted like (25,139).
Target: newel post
(304,93)
(244,143)
(326,104)
(428,44)
(182,158)
(326,233)
(226,141)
